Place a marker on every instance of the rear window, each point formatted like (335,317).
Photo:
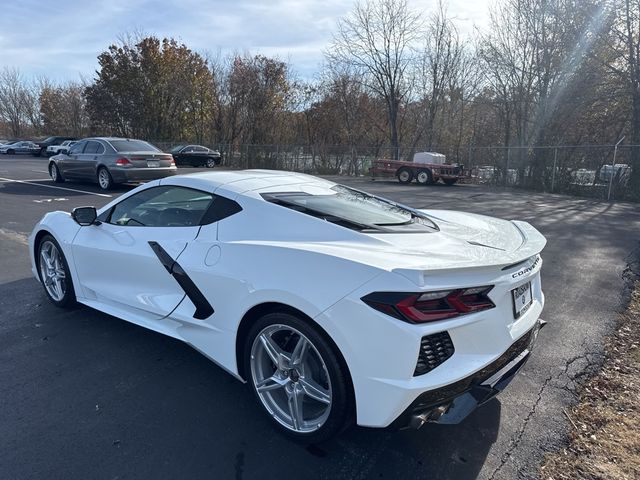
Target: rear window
(356,210)
(132,146)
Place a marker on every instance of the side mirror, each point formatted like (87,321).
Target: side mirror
(85,216)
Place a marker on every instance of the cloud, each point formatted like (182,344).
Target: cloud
(62,39)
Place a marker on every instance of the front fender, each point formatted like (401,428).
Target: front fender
(63,229)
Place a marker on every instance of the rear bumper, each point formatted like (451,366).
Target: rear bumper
(123,175)
(453,403)
(383,368)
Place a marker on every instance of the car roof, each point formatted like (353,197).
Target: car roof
(248,182)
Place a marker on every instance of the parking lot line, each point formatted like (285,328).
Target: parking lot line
(9,180)
(27,182)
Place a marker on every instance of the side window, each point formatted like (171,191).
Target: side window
(200,149)
(165,206)
(92,147)
(77,148)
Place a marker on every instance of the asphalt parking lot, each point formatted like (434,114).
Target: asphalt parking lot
(85,395)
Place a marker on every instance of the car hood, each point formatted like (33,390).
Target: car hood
(463,241)
(466,231)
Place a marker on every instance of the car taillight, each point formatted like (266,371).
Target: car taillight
(173,162)
(431,306)
(123,162)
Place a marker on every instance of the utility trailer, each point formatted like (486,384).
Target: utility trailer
(426,168)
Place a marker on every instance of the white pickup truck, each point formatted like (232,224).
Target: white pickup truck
(62,148)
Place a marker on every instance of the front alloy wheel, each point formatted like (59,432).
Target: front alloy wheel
(210,163)
(297,378)
(54,273)
(54,173)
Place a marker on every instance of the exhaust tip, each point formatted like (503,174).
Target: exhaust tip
(419,419)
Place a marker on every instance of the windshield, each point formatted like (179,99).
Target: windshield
(132,146)
(355,209)
(177,148)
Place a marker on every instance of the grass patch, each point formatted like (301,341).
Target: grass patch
(604,441)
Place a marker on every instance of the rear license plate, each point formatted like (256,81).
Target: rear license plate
(522,299)
(153,163)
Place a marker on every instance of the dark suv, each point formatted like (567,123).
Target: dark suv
(49,141)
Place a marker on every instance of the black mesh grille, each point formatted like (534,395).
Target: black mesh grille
(434,350)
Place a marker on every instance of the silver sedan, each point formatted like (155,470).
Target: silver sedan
(19,147)
(109,161)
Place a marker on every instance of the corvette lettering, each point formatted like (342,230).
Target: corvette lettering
(526,270)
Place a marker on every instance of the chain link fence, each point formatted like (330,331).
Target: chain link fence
(598,171)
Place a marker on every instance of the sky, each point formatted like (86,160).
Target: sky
(62,38)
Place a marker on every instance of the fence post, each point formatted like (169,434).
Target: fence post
(613,166)
(506,170)
(553,173)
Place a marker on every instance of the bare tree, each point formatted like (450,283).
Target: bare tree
(531,55)
(440,67)
(62,108)
(12,100)
(624,64)
(377,39)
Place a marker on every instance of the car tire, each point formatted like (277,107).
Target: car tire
(54,173)
(210,163)
(11,152)
(405,175)
(309,398)
(450,181)
(105,180)
(424,177)
(55,274)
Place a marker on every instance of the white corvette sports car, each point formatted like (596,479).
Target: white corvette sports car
(333,304)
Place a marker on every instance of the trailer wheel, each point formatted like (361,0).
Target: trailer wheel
(424,177)
(404,175)
(449,181)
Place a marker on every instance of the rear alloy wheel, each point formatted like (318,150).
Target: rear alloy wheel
(404,175)
(105,181)
(424,177)
(54,273)
(55,174)
(297,378)
(210,163)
